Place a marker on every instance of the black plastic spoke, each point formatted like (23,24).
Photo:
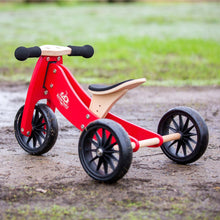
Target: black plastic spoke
(36,116)
(42,135)
(111,156)
(39,139)
(175,124)
(184,148)
(105,167)
(172,129)
(186,124)
(34,141)
(108,142)
(94,158)
(189,145)
(90,150)
(178,147)
(189,129)
(180,122)
(112,151)
(98,138)
(43,130)
(114,158)
(103,137)
(99,164)
(109,161)
(39,134)
(39,126)
(192,140)
(40,120)
(110,146)
(94,143)
(29,139)
(190,134)
(174,142)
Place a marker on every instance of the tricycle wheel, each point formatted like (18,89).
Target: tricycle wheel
(105,150)
(44,130)
(194,134)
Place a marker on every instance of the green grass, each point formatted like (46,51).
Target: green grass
(169,44)
(125,210)
(90,201)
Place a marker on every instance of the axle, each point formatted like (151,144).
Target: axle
(154,141)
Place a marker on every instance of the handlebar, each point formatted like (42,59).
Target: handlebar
(22,53)
(86,51)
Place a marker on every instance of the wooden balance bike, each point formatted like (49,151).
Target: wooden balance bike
(106,142)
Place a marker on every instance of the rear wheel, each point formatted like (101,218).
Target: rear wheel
(105,150)
(194,134)
(44,130)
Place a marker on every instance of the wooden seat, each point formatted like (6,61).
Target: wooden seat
(104,97)
(125,85)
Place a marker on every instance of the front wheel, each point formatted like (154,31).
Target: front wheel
(105,150)
(44,130)
(194,134)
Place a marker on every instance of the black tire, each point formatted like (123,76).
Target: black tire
(44,130)
(194,134)
(98,154)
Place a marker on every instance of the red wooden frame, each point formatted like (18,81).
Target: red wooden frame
(52,81)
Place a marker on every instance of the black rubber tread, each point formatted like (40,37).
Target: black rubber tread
(124,154)
(193,126)
(47,135)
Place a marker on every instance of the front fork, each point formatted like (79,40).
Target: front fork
(36,92)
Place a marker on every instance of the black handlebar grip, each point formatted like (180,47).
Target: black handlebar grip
(86,51)
(22,53)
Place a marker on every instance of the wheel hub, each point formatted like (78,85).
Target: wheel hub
(99,152)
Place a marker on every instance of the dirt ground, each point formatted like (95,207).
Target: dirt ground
(55,184)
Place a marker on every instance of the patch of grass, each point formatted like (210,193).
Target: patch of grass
(132,211)
(169,44)
(177,62)
(91,201)
(53,212)
(163,62)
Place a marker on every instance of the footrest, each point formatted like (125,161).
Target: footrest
(103,89)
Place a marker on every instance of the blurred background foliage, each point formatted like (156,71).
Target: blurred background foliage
(110,1)
(169,43)
(64,1)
